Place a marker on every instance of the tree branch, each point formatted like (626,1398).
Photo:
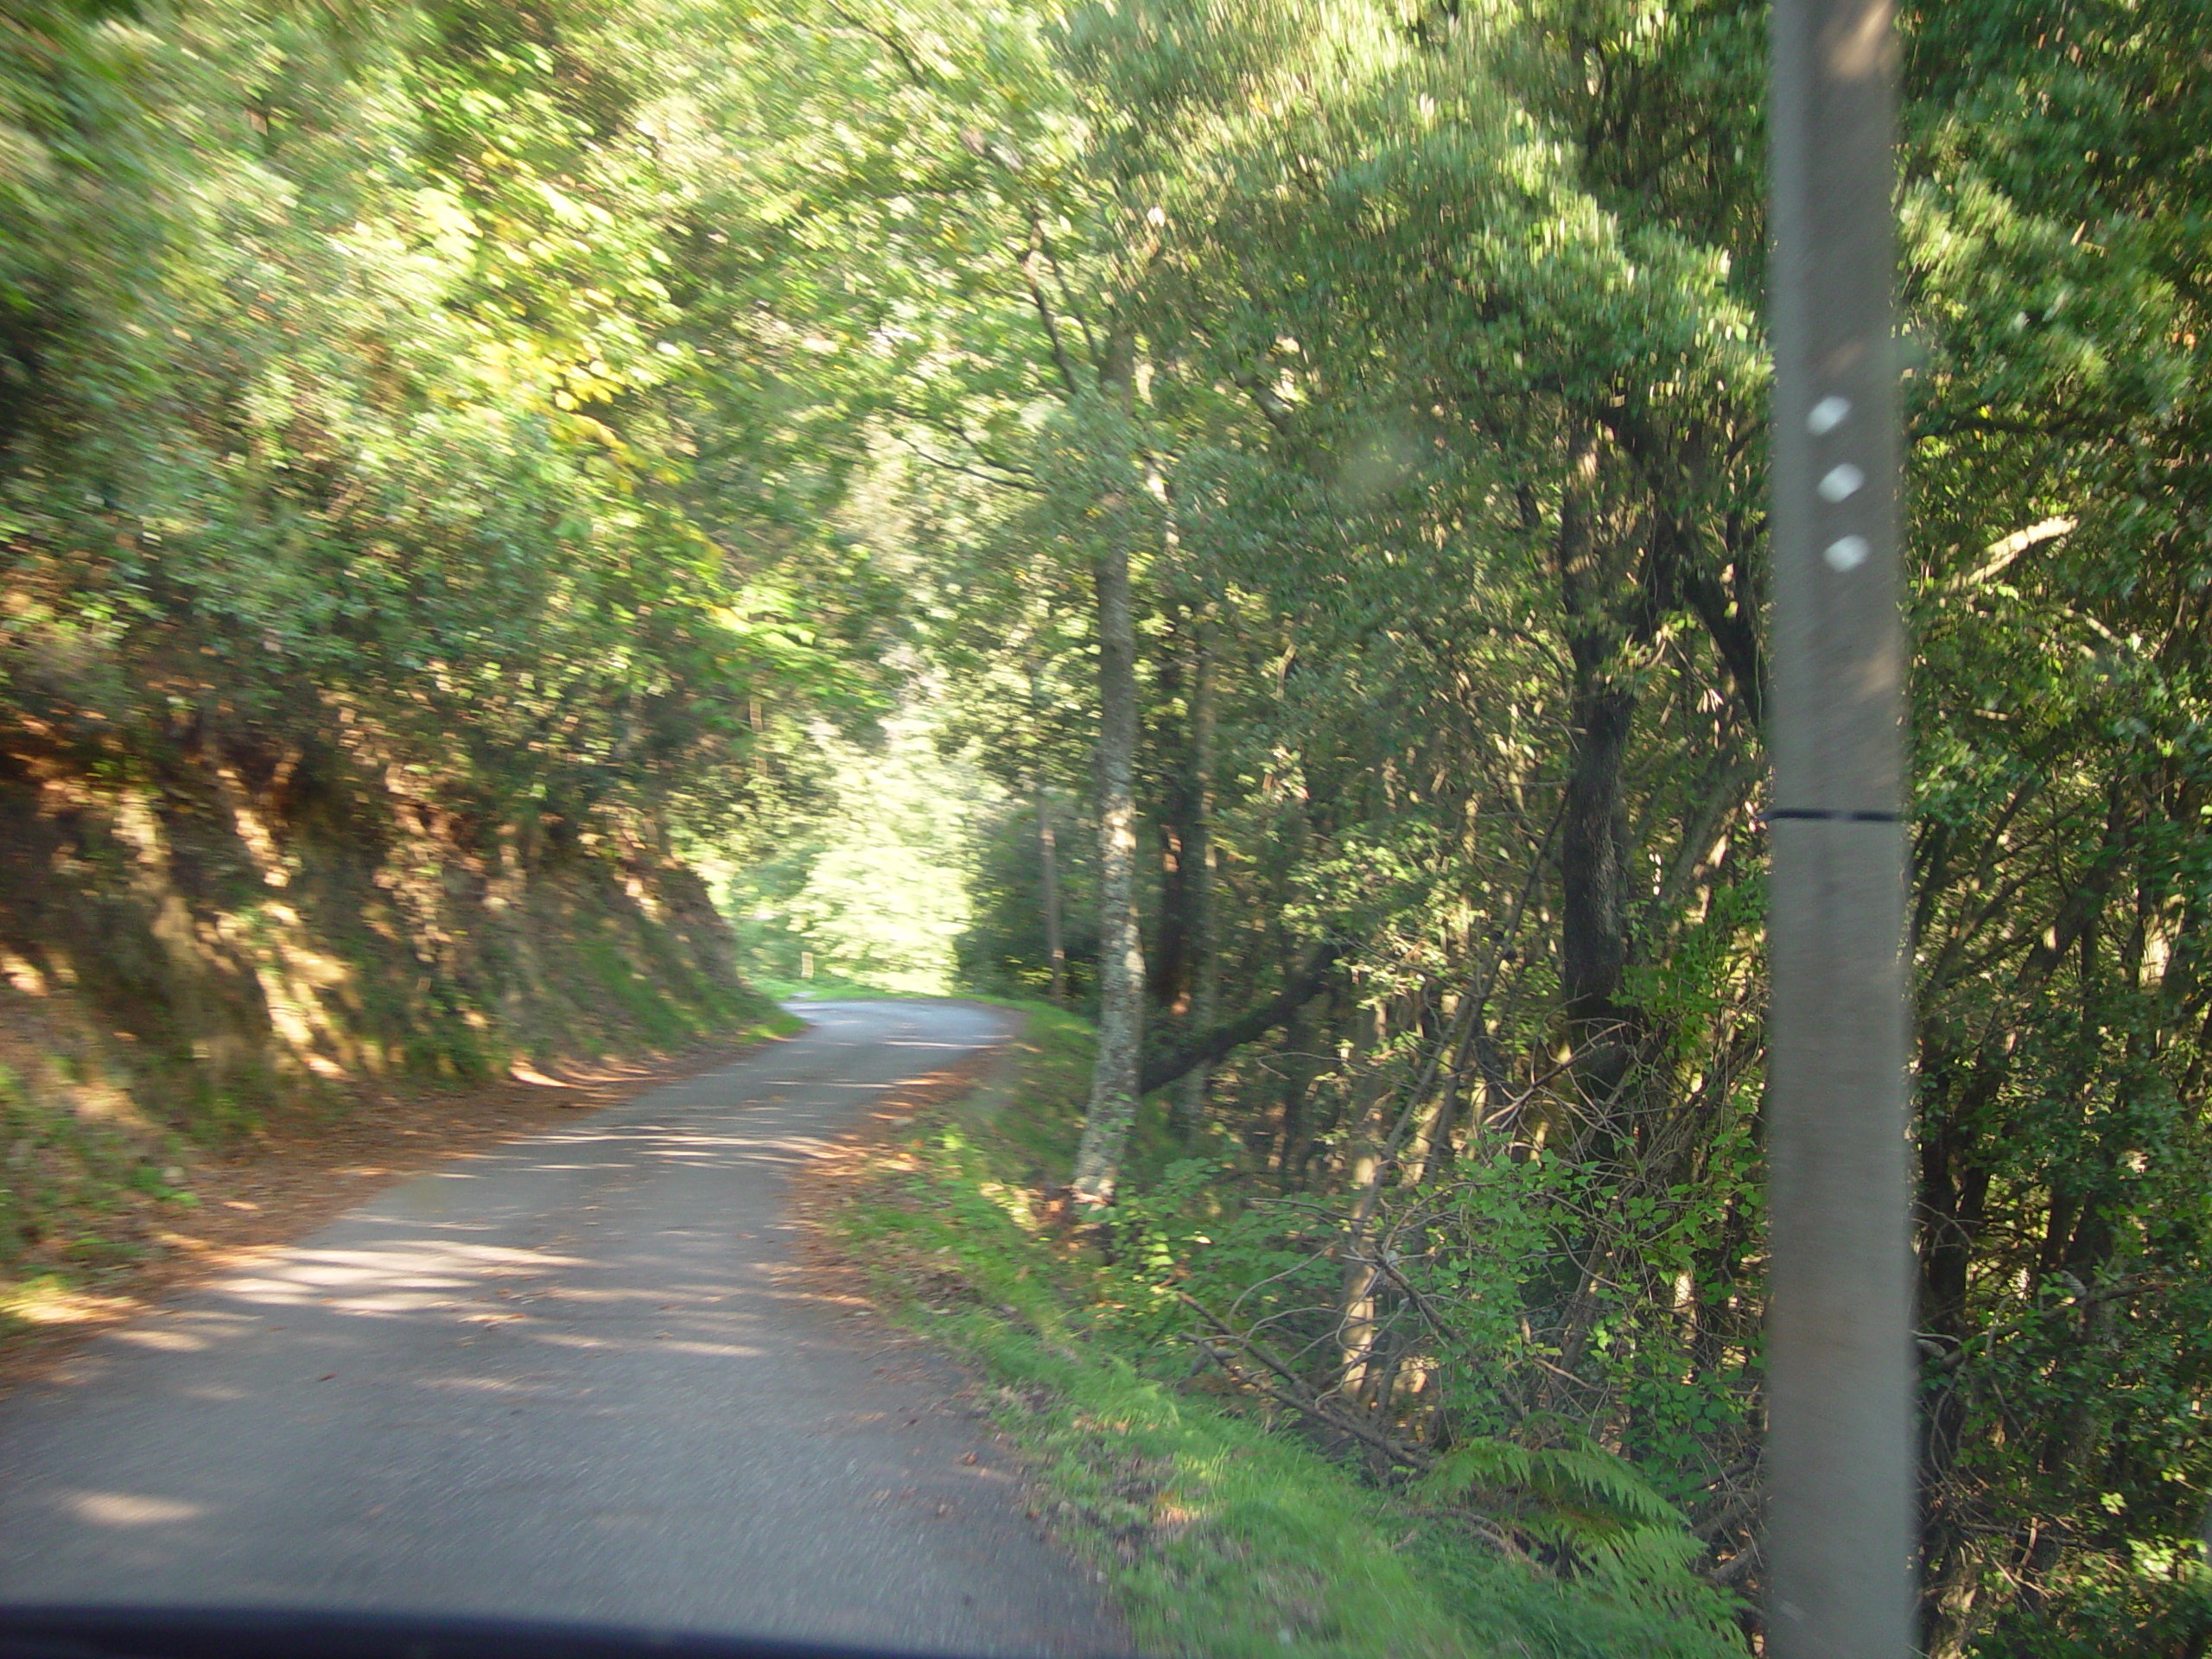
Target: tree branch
(1164,1068)
(889,41)
(1045,312)
(951,465)
(1276,411)
(1060,282)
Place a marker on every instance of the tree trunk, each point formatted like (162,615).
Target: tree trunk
(1593,862)
(1297,1068)
(1168,963)
(1199,851)
(1048,869)
(1121,947)
(1594,871)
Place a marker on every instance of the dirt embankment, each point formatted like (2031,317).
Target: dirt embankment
(239,987)
(287,1179)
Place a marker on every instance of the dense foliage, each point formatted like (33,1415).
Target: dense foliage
(360,409)
(1317,451)
(1412,357)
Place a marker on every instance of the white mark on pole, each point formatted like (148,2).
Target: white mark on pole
(1841,482)
(1847,552)
(1827,414)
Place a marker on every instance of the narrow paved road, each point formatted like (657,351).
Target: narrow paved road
(576,1378)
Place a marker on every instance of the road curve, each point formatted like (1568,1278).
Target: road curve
(573,1378)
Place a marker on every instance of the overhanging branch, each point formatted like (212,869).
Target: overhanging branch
(1205,1050)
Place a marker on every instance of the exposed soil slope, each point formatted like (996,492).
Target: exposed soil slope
(285,1181)
(230,976)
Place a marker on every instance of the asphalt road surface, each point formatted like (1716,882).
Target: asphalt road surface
(578,1378)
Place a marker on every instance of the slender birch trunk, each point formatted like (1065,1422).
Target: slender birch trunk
(1121,946)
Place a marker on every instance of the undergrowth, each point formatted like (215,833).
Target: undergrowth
(1222,1525)
(80,1199)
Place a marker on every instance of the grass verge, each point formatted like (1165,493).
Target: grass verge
(1221,1532)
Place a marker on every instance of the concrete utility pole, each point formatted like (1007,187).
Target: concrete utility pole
(1841,1443)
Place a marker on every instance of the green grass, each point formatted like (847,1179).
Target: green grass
(75,1197)
(1220,1532)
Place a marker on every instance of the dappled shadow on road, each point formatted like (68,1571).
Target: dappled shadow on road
(582,1375)
(300,1171)
(598,1275)
(549,1276)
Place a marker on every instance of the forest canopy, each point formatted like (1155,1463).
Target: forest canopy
(1270,498)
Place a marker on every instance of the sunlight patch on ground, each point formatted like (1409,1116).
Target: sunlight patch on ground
(129,1508)
(48,1300)
(169,1342)
(402,1277)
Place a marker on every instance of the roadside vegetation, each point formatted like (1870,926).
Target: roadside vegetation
(1329,441)
(1218,1516)
(373,674)
(1241,519)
